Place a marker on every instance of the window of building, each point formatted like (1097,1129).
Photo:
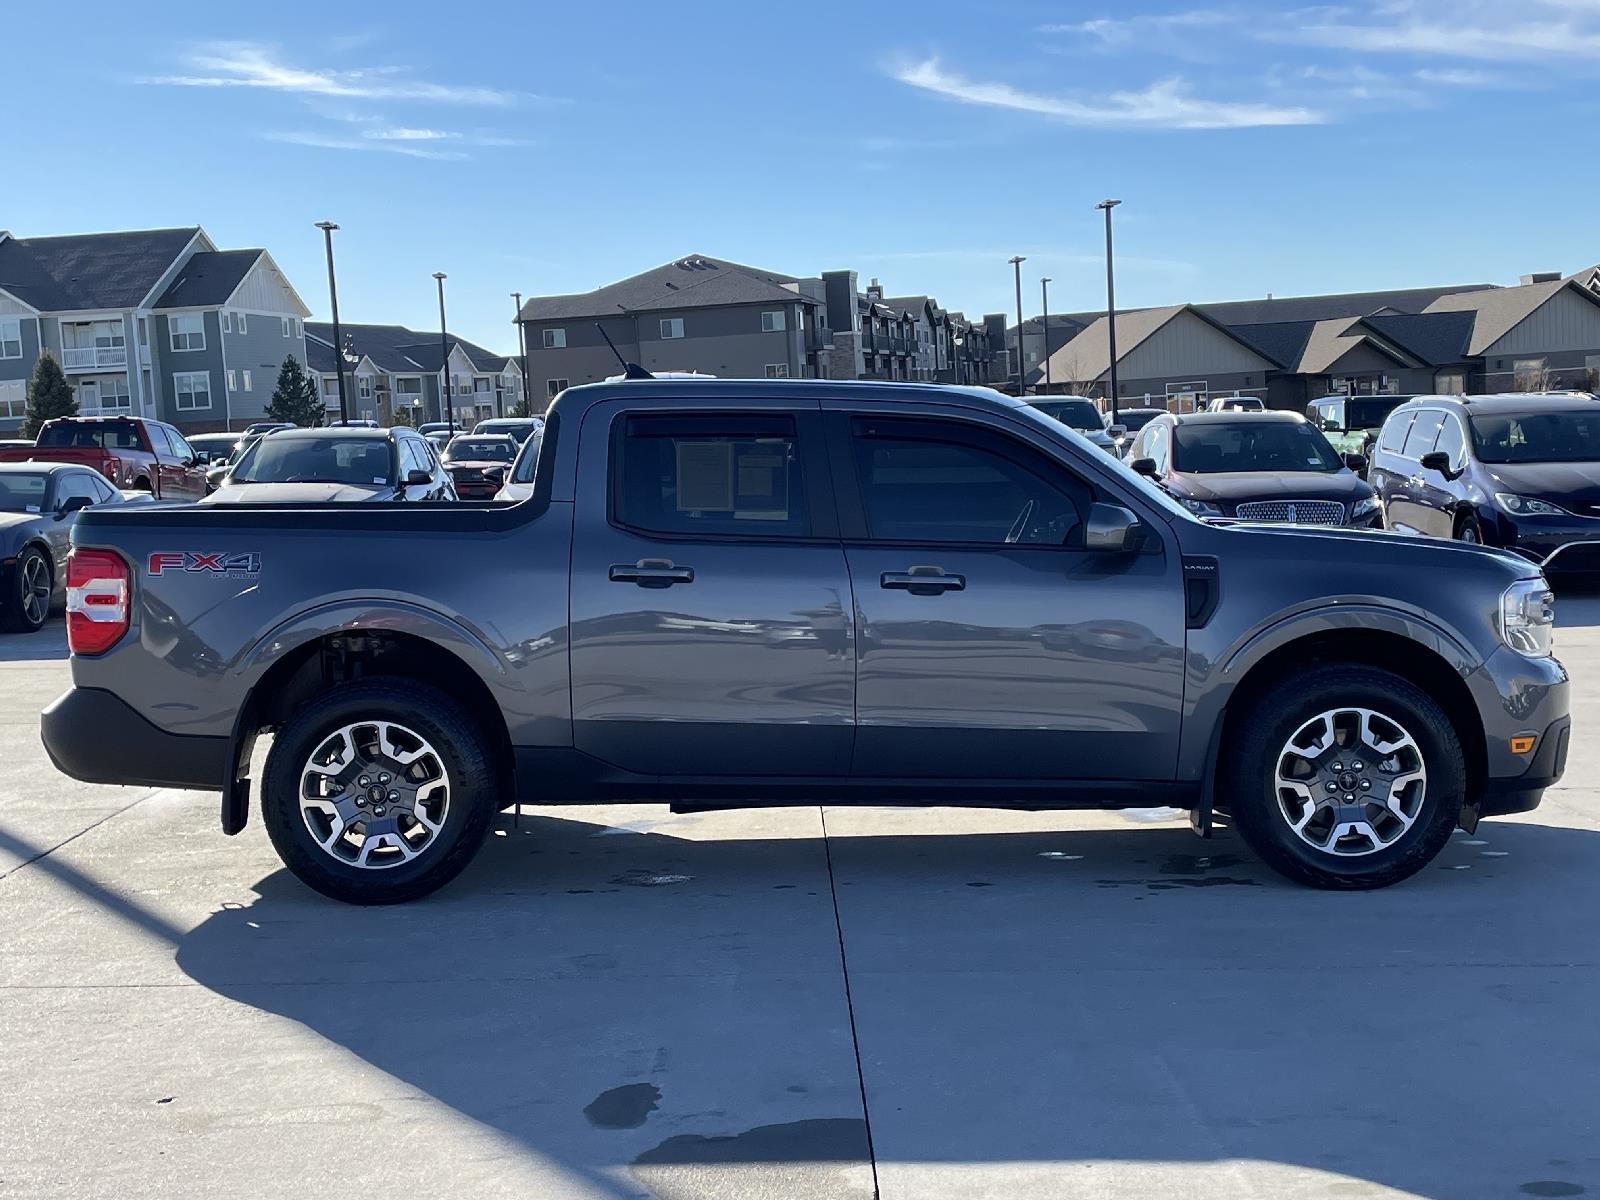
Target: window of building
(227,322)
(555,339)
(248,385)
(233,382)
(724,474)
(288,327)
(13,398)
(144,331)
(672,327)
(330,385)
(777,370)
(10,339)
(408,387)
(364,386)
(1528,374)
(189,331)
(772,322)
(192,389)
(944,481)
(554,387)
(243,328)
(298,329)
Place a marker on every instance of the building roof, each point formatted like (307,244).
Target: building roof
(1501,310)
(1088,354)
(1436,338)
(209,277)
(89,271)
(393,349)
(696,281)
(1326,307)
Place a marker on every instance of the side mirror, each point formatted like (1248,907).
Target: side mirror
(1111,527)
(416,478)
(72,504)
(1356,462)
(1145,467)
(1116,431)
(1436,460)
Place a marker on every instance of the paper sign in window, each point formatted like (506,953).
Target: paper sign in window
(705,476)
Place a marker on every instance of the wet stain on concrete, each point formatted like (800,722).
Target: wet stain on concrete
(1551,1187)
(1198,864)
(980,883)
(638,877)
(624,1107)
(1173,885)
(823,1139)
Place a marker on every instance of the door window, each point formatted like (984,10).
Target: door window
(76,485)
(715,475)
(1160,447)
(1394,431)
(411,459)
(941,481)
(1423,432)
(1453,441)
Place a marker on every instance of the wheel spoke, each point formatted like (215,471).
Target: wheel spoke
(367,826)
(1330,763)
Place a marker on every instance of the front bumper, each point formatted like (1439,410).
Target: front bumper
(1522,793)
(93,735)
(1556,543)
(1519,697)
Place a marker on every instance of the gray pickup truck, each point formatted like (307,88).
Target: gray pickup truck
(728,593)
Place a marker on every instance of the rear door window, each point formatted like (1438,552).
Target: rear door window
(1394,431)
(1424,431)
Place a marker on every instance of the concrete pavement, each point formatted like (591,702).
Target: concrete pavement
(618,1002)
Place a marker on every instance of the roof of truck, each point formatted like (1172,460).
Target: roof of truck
(875,389)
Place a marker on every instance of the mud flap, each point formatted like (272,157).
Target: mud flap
(1469,816)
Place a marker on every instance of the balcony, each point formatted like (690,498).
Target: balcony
(93,358)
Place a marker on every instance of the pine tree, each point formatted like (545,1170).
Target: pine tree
(295,398)
(49,395)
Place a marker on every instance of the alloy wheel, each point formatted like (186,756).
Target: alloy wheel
(1350,781)
(374,794)
(35,589)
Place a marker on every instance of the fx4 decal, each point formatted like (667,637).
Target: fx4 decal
(231,564)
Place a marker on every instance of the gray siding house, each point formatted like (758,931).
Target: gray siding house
(390,369)
(156,323)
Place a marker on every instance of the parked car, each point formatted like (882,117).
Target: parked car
(1255,466)
(354,423)
(518,485)
(213,448)
(1520,471)
(316,466)
(521,428)
(259,427)
(15,444)
(131,452)
(478,463)
(1235,404)
(1083,414)
(1351,423)
(39,504)
(1135,419)
(757,591)
(439,439)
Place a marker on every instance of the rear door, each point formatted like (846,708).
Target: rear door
(990,643)
(189,477)
(1416,507)
(710,604)
(1388,473)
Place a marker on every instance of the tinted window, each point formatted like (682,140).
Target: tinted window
(480,450)
(715,475)
(116,435)
(1424,430)
(413,457)
(316,460)
(528,460)
(1206,447)
(1537,437)
(929,481)
(1082,415)
(1328,413)
(1394,431)
(1159,447)
(76,484)
(1452,440)
(1369,414)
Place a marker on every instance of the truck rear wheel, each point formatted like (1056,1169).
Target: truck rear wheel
(379,791)
(1348,778)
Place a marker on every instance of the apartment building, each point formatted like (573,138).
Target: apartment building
(716,317)
(156,322)
(390,368)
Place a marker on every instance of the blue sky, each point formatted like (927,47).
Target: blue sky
(551,148)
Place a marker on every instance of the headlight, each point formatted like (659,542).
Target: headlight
(1365,508)
(1200,508)
(1528,506)
(1527,615)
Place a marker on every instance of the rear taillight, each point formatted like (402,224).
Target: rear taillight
(113,468)
(97,600)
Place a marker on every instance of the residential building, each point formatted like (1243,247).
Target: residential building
(716,317)
(155,322)
(390,368)
(1542,333)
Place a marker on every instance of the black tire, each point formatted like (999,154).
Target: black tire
(142,485)
(1469,530)
(14,617)
(1249,766)
(462,749)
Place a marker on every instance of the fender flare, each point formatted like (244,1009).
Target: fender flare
(342,615)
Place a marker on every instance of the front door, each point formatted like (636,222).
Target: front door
(710,604)
(991,644)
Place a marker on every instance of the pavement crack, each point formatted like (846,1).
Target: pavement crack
(6,842)
(849,1001)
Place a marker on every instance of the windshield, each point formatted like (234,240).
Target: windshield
(367,461)
(108,436)
(1080,414)
(528,461)
(1136,419)
(480,450)
(23,493)
(1544,437)
(1210,447)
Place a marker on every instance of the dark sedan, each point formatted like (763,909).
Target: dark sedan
(346,465)
(1518,471)
(39,504)
(1083,414)
(1255,466)
(478,463)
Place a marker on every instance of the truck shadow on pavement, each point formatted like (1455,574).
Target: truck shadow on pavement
(636,1005)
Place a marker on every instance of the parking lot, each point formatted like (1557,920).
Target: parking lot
(620,1002)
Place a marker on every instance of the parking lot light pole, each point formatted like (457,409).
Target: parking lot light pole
(327,228)
(444,362)
(1111,307)
(1044,298)
(1016,265)
(522,344)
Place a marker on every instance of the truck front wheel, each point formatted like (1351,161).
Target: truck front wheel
(379,791)
(1346,777)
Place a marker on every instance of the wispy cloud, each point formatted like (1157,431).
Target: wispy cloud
(1499,32)
(1167,104)
(256,65)
(1118,31)
(324,141)
(1460,77)
(405,134)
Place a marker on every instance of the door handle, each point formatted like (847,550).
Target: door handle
(923,581)
(651,573)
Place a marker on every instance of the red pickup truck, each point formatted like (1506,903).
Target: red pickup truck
(131,452)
